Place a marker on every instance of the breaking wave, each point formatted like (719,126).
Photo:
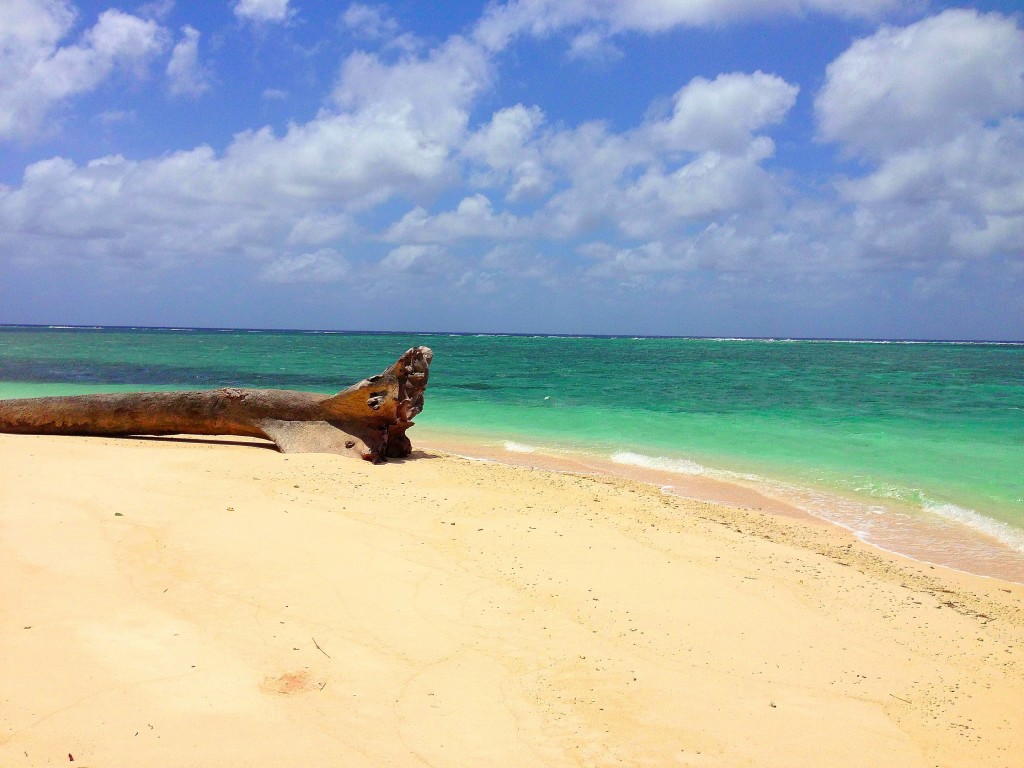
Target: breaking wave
(680,466)
(514,447)
(997,529)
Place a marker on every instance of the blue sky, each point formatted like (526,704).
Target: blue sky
(835,168)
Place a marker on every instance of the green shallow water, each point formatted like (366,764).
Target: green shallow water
(936,427)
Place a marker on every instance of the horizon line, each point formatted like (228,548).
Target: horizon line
(517,334)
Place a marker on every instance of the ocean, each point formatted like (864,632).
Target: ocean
(916,447)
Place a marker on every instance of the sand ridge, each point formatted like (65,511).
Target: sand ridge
(188,602)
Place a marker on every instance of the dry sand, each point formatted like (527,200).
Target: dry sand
(204,603)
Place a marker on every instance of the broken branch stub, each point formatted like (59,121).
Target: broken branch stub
(369,419)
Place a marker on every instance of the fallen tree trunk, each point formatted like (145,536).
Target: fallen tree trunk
(369,419)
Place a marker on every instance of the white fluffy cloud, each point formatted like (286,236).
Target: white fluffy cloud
(539,17)
(185,74)
(394,133)
(723,114)
(323,266)
(936,108)
(262,10)
(37,73)
(473,217)
(506,155)
(710,187)
(924,83)
(415,260)
(263,190)
(369,21)
(432,93)
(701,161)
(399,173)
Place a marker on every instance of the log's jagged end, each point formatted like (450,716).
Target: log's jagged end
(387,404)
(411,370)
(367,420)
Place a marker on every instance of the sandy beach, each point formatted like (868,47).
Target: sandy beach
(172,602)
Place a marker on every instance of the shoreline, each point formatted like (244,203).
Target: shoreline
(888,524)
(896,500)
(212,601)
(944,542)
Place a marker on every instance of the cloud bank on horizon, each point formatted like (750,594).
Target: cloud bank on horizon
(707,167)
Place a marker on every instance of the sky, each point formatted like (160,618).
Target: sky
(799,168)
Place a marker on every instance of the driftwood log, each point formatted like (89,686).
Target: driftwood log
(369,419)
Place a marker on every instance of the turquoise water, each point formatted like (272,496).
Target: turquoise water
(859,431)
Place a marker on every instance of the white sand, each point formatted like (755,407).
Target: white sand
(162,603)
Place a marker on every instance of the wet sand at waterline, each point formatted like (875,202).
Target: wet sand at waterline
(213,602)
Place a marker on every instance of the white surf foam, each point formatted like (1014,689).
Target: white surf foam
(880,524)
(663,463)
(514,447)
(997,529)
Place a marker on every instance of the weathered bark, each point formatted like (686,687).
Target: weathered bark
(369,419)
